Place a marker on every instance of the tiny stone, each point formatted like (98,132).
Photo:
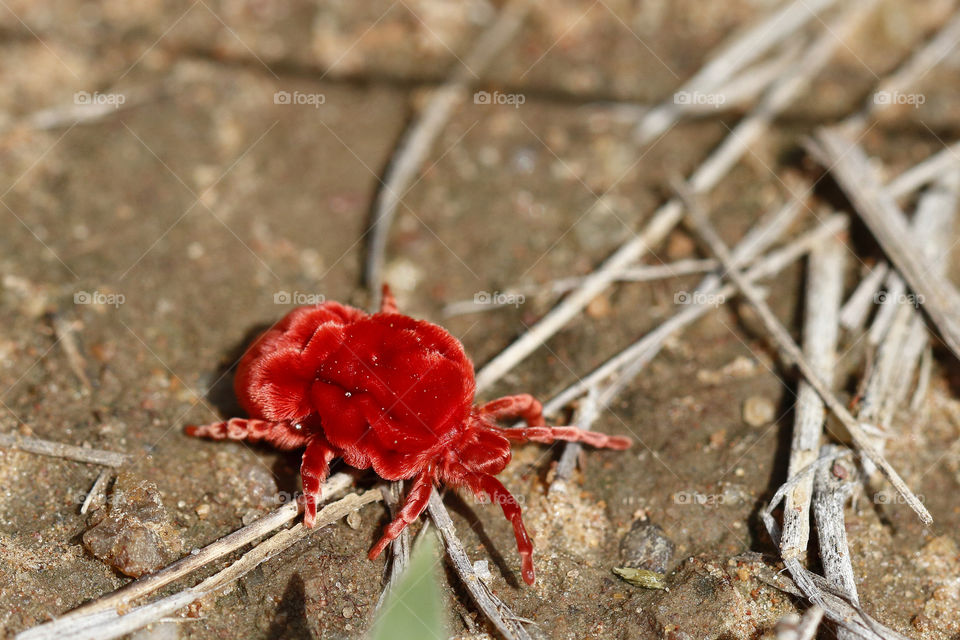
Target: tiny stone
(679,245)
(203,511)
(758,411)
(348,611)
(646,547)
(599,307)
(354,520)
(134,534)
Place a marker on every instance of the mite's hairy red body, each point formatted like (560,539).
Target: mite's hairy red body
(388,392)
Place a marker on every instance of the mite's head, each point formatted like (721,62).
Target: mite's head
(479,449)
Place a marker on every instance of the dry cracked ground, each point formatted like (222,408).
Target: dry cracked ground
(182,213)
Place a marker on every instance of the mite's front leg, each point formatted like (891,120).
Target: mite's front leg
(314,470)
(523,406)
(281,435)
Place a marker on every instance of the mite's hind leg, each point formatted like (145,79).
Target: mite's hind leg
(281,435)
(416,502)
(511,510)
(522,406)
(314,470)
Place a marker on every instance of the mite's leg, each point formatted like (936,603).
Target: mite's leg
(520,406)
(314,469)
(388,304)
(570,434)
(511,510)
(281,435)
(416,502)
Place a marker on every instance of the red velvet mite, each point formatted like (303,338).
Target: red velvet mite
(386,391)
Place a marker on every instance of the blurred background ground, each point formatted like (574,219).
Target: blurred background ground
(202,198)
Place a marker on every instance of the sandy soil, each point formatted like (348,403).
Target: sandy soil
(187,210)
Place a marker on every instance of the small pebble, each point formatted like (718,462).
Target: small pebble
(646,546)
(758,411)
(348,611)
(354,520)
(680,245)
(203,511)
(599,307)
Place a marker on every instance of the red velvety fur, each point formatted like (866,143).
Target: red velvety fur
(385,391)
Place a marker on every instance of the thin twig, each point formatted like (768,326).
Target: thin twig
(89,112)
(65,333)
(587,413)
(833,485)
(734,57)
(850,165)
(60,450)
(642,273)
(857,307)
(934,224)
(925,172)
(817,589)
(767,231)
(400,547)
(648,346)
(109,623)
(918,64)
(792,355)
(905,336)
(805,629)
(703,179)
(417,141)
(896,289)
(923,379)
(492,607)
(127,594)
(820,329)
(96,490)
(737,92)
(934,50)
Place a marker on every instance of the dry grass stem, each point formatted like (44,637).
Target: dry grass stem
(416,143)
(824,291)
(103,624)
(60,450)
(792,355)
(850,165)
(703,179)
